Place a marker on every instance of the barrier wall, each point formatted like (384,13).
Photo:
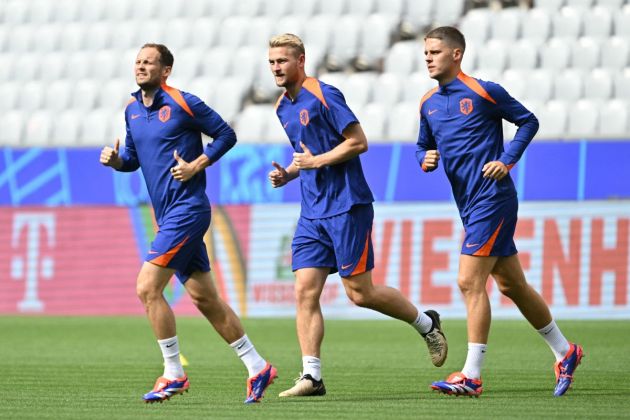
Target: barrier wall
(83,260)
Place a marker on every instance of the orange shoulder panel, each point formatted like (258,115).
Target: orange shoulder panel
(427,96)
(178,97)
(312,85)
(278,101)
(131,100)
(473,84)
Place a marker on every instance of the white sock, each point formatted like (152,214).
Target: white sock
(423,323)
(248,354)
(170,351)
(474,360)
(555,339)
(312,366)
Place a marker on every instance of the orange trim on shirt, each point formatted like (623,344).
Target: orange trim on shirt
(474,85)
(278,101)
(312,85)
(131,100)
(178,97)
(427,96)
(484,251)
(166,258)
(360,268)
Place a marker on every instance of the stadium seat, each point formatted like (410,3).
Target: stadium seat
(168,10)
(186,64)
(152,30)
(178,35)
(10,96)
(344,42)
(336,79)
(232,31)
(97,36)
(536,26)
(583,119)
(117,10)
(12,128)
(318,31)
(251,123)
(417,15)
(357,89)
(55,66)
(58,96)
(390,7)
(598,22)
(16,12)
(361,8)
(203,88)
(92,11)
(26,67)
(568,85)
(114,94)
(31,96)
(506,24)
(614,53)
(402,58)
(415,86)
(259,32)
(292,24)
(249,8)
(622,84)
(580,4)
(403,122)
(306,8)
(555,55)
(476,25)
(38,128)
(105,64)
(66,11)
(614,119)
(20,39)
(514,81)
(245,62)
(622,22)
(72,38)
(567,23)
(221,9)
(40,11)
(65,129)
(275,9)
(539,85)
(84,94)
(203,32)
(486,73)
(95,130)
(77,65)
(386,90)
(217,62)
(47,36)
(522,55)
(124,36)
(598,84)
(333,7)
(549,5)
(585,53)
(553,120)
(4,34)
(228,97)
(612,5)
(448,12)
(6,69)
(374,40)
(372,118)
(493,55)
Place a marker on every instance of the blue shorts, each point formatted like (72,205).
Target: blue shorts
(342,242)
(490,230)
(179,245)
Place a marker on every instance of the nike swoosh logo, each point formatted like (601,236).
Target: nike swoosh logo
(153,252)
(134,116)
(432,111)
(170,345)
(471,245)
(343,267)
(239,347)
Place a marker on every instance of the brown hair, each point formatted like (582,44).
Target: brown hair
(166,57)
(450,35)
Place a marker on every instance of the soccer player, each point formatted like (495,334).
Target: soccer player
(164,127)
(461,125)
(334,229)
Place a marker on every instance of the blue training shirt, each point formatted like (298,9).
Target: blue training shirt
(317,118)
(463,121)
(174,121)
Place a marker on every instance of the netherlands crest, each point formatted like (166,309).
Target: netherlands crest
(466,106)
(165,113)
(304,118)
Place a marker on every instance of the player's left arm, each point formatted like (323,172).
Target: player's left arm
(354,144)
(209,122)
(513,111)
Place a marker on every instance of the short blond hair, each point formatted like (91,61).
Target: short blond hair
(288,40)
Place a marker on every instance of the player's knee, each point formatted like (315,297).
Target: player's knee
(305,295)
(359,297)
(145,293)
(467,284)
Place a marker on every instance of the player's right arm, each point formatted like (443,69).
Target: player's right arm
(427,155)
(281,176)
(125,162)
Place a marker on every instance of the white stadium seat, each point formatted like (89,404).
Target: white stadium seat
(536,26)
(622,84)
(344,40)
(114,94)
(277,8)
(10,96)
(274,133)
(221,9)
(292,24)
(72,38)
(493,55)
(245,62)
(259,31)
(332,7)
(476,25)
(203,88)
(614,119)
(506,24)
(31,96)
(16,12)
(514,82)
(549,5)
(47,36)
(583,120)
(415,86)
(117,10)
(232,31)
(105,63)
(228,97)
(622,21)
(555,55)
(178,35)
(125,36)
(522,55)
(361,8)
(390,7)
(374,38)
(336,79)
(585,53)
(93,11)
(26,67)
(55,66)
(77,65)
(567,23)
(614,53)
(251,123)
(553,120)
(216,62)
(372,118)
(448,12)
(40,11)
(403,122)
(95,128)
(12,128)
(402,58)
(580,4)
(203,32)
(598,84)
(597,22)
(84,94)
(306,8)
(357,89)
(318,30)
(168,10)
(58,96)
(612,5)
(539,85)
(249,8)
(569,85)
(38,128)
(6,69)
(20,39)
(65,129)
(187,63)
(386,90)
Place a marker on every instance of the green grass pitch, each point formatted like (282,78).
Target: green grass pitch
(98,368)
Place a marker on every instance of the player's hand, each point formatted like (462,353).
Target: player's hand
(495,170)
(183,170)
(279,176)
(110,156)
(431,159)
(305,160)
